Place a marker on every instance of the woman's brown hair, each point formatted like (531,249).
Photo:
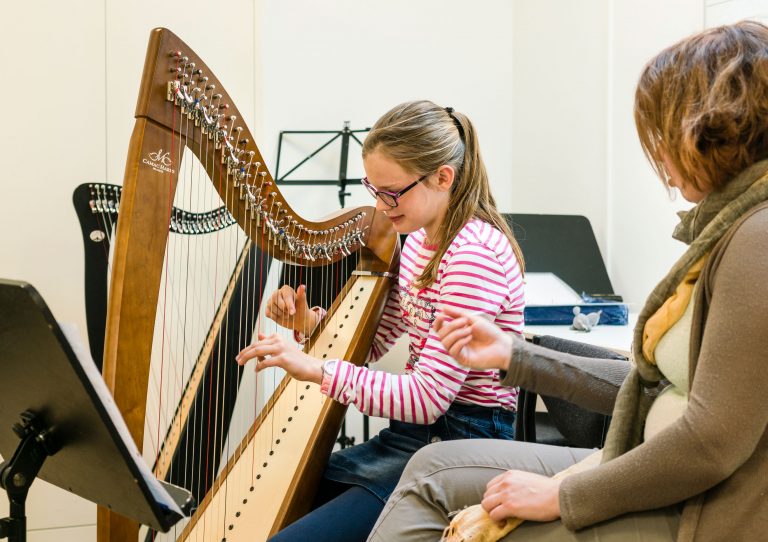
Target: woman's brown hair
(421,137)
(703,103)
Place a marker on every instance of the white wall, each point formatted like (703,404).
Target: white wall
(641,217)
(548,83)
(73,74)
(559,115)
(56,141)
(359,59)
(719,12)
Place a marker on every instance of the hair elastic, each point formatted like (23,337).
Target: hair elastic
(450,111)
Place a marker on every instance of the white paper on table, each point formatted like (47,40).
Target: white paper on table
(548,289)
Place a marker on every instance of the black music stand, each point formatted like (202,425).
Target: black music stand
(345,134)
(72,434)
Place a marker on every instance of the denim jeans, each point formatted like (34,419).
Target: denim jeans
(378,463)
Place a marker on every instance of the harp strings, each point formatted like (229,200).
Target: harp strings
(207,443)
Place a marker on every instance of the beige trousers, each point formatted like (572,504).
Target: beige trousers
(447,476)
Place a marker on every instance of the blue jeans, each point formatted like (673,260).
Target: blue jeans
(358,480)
(378,463)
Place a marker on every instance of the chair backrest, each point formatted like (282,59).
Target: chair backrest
(564,245)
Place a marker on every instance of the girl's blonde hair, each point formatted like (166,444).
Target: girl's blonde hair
(421,137)
(704,103)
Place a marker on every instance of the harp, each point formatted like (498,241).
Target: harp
(188,141)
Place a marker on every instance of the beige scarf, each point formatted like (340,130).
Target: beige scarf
(700,228)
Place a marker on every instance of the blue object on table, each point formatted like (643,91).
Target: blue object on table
(612,314)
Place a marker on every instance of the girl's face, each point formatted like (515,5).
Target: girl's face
(422,206)
(676,180)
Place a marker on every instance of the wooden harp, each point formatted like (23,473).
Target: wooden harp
(268,477)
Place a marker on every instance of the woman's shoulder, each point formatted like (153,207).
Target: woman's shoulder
(751,230)
(744,248)
(755,219)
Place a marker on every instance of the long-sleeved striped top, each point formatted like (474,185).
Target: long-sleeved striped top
(478,272)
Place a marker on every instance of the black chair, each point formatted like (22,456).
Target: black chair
(564,245)
(564,423)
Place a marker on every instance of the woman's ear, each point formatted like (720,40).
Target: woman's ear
(446,175)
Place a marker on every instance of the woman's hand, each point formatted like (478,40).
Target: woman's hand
(472,340)
(275,351)
(289,308)
(522,495)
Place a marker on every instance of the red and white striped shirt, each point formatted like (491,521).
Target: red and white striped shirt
(480,273)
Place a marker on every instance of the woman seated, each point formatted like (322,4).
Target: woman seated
(685,459)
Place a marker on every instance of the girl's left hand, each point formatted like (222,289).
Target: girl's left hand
(522,495)
(275,351)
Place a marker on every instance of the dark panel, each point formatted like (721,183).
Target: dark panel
(564,245)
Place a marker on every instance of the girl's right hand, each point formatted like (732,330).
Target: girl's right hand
(472,340)
(289,308)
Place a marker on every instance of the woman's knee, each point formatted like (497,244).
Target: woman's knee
(429,459)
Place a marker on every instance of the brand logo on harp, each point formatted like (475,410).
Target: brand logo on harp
(159,161)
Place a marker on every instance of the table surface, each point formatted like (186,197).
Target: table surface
(613,337)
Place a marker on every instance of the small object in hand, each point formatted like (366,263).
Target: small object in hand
(473,524)
(584,322)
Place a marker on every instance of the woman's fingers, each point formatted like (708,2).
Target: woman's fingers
(457,351)
(453,312)
(496,482)
(491,500)
(449,339)
(447,328)
(500,512)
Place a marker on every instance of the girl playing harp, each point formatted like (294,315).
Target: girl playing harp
(425,170)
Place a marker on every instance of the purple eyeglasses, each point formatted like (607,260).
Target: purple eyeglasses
(390,198)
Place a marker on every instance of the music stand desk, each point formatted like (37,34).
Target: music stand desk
(79,433)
